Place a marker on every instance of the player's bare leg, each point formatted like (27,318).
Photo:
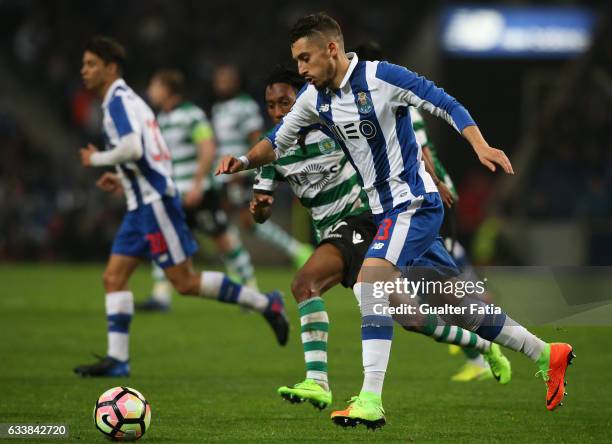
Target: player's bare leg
(119,303)
(216,285)
(322,271)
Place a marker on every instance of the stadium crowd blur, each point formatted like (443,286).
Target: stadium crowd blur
(49,208)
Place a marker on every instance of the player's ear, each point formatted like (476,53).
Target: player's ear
(332,48)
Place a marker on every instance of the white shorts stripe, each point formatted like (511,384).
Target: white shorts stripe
(167,228)
(400,231)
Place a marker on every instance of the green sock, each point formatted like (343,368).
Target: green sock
(451,334)
(315,327)
(238,263)
(470,353)
(274,233)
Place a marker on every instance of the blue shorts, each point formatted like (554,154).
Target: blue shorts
(408,236)
(156,231)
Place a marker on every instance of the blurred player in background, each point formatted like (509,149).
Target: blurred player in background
(365,106)
(238,125)
(154,226)
(190,139)
(328,187)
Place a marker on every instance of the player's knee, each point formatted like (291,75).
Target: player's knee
(113,281)
(301,287)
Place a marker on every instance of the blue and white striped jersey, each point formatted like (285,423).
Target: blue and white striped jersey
(368,115)
(149,178)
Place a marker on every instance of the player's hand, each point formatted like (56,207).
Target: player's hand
(109,182)
(193,197)
(229,165)
(445,194)
(490,157)
(86,154)
(260,206)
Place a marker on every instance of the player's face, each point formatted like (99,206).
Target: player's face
(226,81)
(314,57)
(94,72)
(157,92)
(280,97)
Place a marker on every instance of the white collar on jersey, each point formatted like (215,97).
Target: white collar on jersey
(354,59)
(117,83)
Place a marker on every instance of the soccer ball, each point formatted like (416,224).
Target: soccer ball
(122,414)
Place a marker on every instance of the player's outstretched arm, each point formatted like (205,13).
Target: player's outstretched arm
(421,93)
(261,207)
(487,155)
(261,154)
(128,149)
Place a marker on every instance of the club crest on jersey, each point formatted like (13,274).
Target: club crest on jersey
(364,104)
(326,146)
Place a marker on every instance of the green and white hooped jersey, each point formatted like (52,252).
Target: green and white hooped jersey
(321,177)
(183,129)
(420,132)
(233,120)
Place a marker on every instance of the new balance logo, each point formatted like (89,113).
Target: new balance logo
(357,239)
(378,246)
(324,108)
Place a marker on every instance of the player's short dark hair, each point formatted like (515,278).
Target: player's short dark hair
(282,74)
(108,49)
(313,24)
(172,79)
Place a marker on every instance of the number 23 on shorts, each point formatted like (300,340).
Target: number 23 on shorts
(384,229)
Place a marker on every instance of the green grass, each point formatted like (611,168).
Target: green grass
(211,371)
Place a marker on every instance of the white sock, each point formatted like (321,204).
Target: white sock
(518,338)
(375,357)
(376,337)
(119,312)
(162,289)
(216,285)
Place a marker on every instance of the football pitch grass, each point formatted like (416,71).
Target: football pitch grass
(210,371)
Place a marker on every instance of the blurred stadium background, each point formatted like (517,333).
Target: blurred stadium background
(537,77)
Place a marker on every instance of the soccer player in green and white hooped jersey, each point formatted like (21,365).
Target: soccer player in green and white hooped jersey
(190,140)
(327,185)
(237,122)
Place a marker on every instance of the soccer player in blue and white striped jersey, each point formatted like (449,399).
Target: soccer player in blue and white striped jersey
(154,226)
(364,105)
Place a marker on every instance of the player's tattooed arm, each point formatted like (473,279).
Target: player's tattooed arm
(487,155)
(261,206)
(261,154)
